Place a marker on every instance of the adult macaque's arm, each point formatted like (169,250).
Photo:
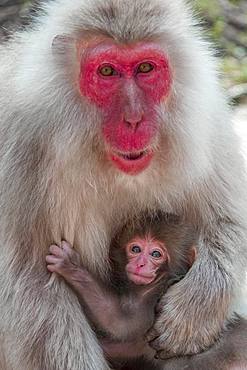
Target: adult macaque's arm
(227,353)
(121,317)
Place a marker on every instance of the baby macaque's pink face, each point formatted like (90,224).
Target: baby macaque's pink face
(145,257)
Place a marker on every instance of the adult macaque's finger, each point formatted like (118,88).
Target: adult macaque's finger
(163,355)
(157,344)
(151,335)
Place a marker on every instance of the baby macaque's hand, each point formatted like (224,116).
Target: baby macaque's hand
(63,260)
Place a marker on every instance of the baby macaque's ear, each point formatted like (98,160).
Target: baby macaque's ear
(192,255)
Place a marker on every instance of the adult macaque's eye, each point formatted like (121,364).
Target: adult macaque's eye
(156,254)
(145,68)
(136,249)
(107,71)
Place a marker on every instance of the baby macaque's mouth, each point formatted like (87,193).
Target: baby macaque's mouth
(133,156)
(140,279)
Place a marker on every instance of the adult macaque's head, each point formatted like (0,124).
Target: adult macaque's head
(127,83)
(145,256)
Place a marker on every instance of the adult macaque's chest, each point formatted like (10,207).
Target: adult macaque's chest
(101,221)
(97,228)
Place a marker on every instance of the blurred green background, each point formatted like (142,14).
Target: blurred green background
(224,21)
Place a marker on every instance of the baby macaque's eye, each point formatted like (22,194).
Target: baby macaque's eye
(136,249)
(156,254)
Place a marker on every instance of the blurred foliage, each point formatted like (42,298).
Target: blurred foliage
(226,24)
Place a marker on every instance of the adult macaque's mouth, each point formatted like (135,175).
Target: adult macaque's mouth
(133,156)
(133,162)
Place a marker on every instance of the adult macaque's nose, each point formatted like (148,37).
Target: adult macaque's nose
(133,119)
(133,105)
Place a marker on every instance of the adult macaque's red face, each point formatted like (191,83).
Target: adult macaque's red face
(145,257)
(127,83)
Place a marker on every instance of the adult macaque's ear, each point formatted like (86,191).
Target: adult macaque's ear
(61,43)
(192,255)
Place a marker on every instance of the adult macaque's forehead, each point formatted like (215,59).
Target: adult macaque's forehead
(124,20)
(99,45)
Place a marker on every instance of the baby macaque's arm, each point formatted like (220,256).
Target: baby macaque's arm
(120,317)
(118,350)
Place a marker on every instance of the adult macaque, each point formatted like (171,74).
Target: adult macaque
(110,108)
(144,263)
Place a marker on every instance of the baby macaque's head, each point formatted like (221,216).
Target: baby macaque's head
(145,256)
(154,247)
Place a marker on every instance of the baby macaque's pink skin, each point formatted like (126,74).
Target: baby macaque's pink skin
(145,255)
(142,266)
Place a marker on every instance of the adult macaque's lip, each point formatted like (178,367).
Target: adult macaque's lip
(132,156)
(132,162)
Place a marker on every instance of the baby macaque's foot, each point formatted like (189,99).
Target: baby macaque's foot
(63,260)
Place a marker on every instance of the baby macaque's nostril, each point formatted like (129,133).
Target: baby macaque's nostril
(141,265)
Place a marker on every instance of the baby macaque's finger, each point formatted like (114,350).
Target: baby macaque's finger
(52,268)
(56,250)
(66,247)
(52,259)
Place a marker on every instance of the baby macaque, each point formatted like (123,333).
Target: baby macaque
(145,259)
